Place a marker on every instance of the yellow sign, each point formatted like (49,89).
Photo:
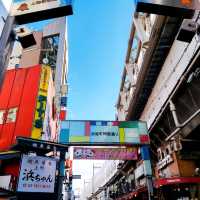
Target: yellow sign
(41,102)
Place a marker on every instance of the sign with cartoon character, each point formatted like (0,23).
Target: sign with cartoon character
(37,174)
(105,153)
(26,8)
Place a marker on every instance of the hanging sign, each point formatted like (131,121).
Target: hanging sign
(27,11)
(37,174)
(41,102)
(104,132)
(105,153)
(184,8)
(63,101)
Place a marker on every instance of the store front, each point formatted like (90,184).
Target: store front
(187,188)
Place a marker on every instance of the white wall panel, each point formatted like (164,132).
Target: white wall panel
(176,63)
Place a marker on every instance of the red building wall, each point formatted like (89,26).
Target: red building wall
(19,90)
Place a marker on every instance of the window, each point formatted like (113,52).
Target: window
(2,116)
(12,115)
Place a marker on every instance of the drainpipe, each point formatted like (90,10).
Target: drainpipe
(174,114)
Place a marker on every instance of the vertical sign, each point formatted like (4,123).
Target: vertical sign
(41,103)
(37,174)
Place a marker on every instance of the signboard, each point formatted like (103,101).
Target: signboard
(104,132)
(166,7)
(63,101)
(41,103)
(166,161)
(27,11)
(37,174)
(105,153)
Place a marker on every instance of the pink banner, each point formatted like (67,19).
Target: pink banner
(105,153)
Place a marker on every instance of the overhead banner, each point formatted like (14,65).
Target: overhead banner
(27,11)
(185,8)
(37,174)
(105,153)
(104,132)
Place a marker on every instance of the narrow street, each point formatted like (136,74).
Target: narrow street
(99,100)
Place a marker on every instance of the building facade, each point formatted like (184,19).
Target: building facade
(161,88)
(30,97)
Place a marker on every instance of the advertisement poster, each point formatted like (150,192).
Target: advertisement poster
(37,174)
(105,153)
(28,11)
(21,7)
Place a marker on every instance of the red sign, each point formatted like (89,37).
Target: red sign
(62,115)
(177,180)
(106,153)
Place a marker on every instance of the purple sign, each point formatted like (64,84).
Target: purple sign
(105,153)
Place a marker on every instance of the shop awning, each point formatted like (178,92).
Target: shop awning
(9,155)
(176,180)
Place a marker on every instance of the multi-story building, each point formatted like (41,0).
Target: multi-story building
(30,96)
(160,85)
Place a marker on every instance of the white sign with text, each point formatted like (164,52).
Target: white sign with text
(37,174)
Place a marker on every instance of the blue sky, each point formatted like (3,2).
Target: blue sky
(98,35)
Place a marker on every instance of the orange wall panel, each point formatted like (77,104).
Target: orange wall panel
(5,94)
(14,102)
(19,90)
(6,89)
